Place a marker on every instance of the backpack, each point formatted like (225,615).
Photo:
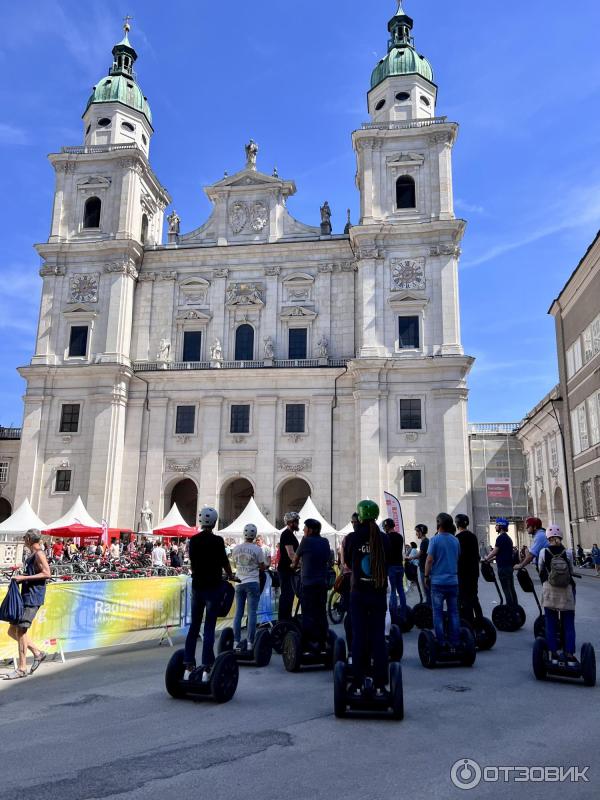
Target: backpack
(559,574)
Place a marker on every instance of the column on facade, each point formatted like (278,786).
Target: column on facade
(216,329)
(43,350)
(121,277)
(266,427)
(444,163)
(30,454)
(369,290)
(450,316)
(368,436)
(211,409)
(129,500)
(163,318)
(321,468)
(140,339)
(126,204)
(450,408)
(155,456)
(324,295)
(269,313)
(364,147)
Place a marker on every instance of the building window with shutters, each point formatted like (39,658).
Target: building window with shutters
(3,471)
(587,499)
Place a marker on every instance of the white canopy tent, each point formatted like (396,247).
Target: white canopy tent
(172,520)
(348,529)
(77,514)
(310,511)
(22,520)
(251,515)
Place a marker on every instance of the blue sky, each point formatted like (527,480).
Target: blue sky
(523,80)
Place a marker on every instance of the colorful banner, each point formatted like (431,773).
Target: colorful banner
(394,511)
(92,614)
(499,489)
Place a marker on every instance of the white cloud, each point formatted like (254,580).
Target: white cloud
(469,208)
(12,135)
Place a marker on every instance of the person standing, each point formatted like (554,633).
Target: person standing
(249,561)
(288,545)
(441,573)
(33,592)
(115,550)
(159,556)
(468,570)
(596,558)
(558,596)
(395,568)
(539,543)
(315,559)
(503,553)
(58,550)
(208,560)
(422,531)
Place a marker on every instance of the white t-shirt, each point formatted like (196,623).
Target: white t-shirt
(115,551)
(159,557)
(246,558)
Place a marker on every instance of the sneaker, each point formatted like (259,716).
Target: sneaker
(381,694)
(554,659)
(249,646)
(356,692)
(237,646)
(206,676)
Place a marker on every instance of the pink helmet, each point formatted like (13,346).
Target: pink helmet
(554,530)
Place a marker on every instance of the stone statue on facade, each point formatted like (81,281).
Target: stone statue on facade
(146,518)
(323,346)
(174,221)
(269,349)
(251,154)
(326,219)
(216,351)
(164,350)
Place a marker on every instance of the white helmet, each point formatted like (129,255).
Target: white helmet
(554,530)
(250,532)
(291,516)
(208,517)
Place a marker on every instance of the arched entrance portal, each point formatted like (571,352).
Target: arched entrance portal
(235,496)
(185,494)
(559,511)
(292,496)
(5,509)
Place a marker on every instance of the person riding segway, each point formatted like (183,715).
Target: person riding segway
(509,616)
(468,579)
(288,545)
(400,614)
(313,643)
(249,560)
(540,542)
(451,643)
(212,597)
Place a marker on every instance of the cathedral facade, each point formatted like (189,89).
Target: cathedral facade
(255,355)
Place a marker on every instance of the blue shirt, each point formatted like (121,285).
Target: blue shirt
(445,550)
(540,542)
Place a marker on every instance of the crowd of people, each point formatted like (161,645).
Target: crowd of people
(372,565)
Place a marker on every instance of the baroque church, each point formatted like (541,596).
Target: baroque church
(254,355)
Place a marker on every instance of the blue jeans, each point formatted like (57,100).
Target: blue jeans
(396,578)
(553,631)
(203,600)
(439,594)
(368,636)
(251,591)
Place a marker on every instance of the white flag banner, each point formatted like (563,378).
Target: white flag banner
(394,511)
(104,524)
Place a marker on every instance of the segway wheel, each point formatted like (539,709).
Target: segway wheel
(427,649)
(174,675)
(468,647)
(486,633)
(539,627)
(340,652)
(226,640)
(292,651)
(330,649)
(278,634)
(588,664)
(423,616)
(395,644)
(263,648)
(397,691)
(521,617)
(538,659)
(335,608)
(339,690)
(224,677)
(405,620)
(503,618)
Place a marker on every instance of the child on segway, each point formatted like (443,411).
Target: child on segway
(366,553)
(558,597)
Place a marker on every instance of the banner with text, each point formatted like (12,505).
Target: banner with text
(394,511)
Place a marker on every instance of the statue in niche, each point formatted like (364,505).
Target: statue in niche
(174,221)
(323,346)
(164,350)
(146,518)
(269,348)
(216,351)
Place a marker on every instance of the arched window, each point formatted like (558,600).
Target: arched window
(244,343)
(144,233)
(405,192)
(91,212)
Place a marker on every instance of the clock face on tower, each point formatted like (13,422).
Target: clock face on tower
(408,273)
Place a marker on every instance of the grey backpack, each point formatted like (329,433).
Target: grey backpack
(559,574)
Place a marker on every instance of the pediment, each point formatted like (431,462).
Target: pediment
(193,314)
(94,182)
(80,309)
(298,312)
(408,299)
(298,278)
(405,159)
(248,177)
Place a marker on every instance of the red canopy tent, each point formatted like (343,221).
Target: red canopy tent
(175,532)
(87,534)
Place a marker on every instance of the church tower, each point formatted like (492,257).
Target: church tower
(108,207)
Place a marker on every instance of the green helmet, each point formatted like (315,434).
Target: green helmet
(367,510)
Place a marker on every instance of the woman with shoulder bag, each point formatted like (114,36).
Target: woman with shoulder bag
(558,595)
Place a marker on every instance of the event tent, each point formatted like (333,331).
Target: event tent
(22,520)
(76,515)
(174,526)
(310,511)
(250,515)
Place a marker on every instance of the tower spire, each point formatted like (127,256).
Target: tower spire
(400,27)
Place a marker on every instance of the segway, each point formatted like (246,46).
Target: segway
(422,612)
(389,703)
(394,643)
(506,618)
(483,630)
(257,656)
(281,629)
(298,653)
(527,585)
(544,668)
(220,687)
(432,653)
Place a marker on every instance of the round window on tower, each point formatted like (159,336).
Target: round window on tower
(402,97)
(104,122)
(425,100)
(380,105)
(127,126)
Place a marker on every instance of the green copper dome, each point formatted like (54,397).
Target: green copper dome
(402,58)
(120,85)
